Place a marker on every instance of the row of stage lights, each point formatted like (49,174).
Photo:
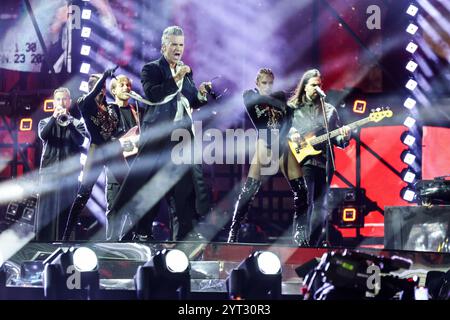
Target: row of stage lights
(86,49)
(410,155)
(73,273)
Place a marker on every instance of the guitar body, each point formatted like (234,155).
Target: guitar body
(129,142)
(304,149)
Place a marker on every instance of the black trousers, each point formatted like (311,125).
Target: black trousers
(316,183)
(153,177)
(98,157)
(54,207)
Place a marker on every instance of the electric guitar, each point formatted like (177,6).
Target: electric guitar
(306,149)
(129,142)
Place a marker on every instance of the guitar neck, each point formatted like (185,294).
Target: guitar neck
(335,133)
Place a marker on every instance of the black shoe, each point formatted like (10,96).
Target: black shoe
(242,207)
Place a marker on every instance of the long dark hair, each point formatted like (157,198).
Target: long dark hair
(299,92)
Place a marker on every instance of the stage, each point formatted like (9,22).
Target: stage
(210,265)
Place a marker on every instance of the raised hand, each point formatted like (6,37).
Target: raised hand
(110,72)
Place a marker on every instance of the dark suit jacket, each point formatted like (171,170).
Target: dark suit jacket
(157,82)
(60,143)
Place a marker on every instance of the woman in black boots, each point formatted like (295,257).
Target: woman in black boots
(268,112)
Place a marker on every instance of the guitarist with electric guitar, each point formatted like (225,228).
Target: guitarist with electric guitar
(307,110)
(312,147)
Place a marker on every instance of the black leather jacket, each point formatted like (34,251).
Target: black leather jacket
(60,143)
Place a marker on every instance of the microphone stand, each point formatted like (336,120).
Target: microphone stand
(327,129)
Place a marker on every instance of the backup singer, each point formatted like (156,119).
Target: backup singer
(268,111)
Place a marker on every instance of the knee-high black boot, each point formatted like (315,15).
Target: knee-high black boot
(300,191)
(242,206)
(77,206)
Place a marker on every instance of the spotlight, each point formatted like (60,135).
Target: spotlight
(176,261)
(257,277)
(85,49)
(85,67)
(83,158)
(409,122)
(409,103)
(412,28)
(86,14)
(409,176)
(71,273)
(408,157)
(411,47)
(84,86)
(411,66)
(84,259)
(409,140)
(408,195)
(411,84)
(359,106)
(85,32)
(412,10)
(165,276)
(26,124)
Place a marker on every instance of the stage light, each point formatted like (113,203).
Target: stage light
(83,158)
(268,263)
(86,14)
(71,273)
(349,215)
(359,106)
(177,261)
(408,195)
(84,259)
(408,157)
(412,10)
(409,122)
(409,103)
(85,32)
(257,277)
(26,124)
(409,140)
(411,66)
(409,176)
(84,86)
(411,84)
(412,28)
(85,67)
(411,47)
(164,276)
(85,49)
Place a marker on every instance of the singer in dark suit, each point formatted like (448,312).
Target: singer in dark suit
(169,85)
(307,117)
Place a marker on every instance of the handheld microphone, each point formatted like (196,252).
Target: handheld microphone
(320,92)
